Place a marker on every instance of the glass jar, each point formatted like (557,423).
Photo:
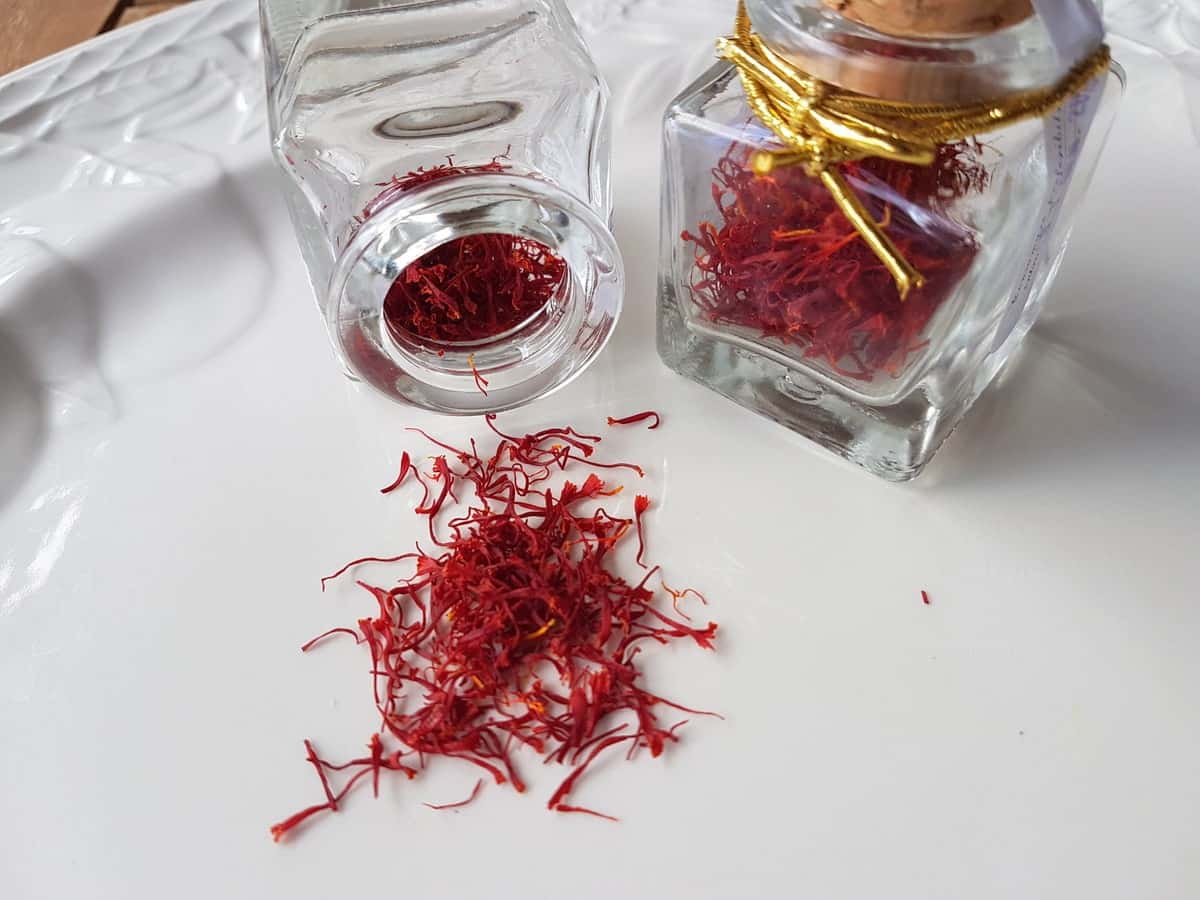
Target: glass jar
(447,169)
(768,293)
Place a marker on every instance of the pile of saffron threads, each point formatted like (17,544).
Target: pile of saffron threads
(515,630)
(470,289)
(786,263)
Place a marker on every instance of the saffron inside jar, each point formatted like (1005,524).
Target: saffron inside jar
(783,261)
(473,289)
(470,289)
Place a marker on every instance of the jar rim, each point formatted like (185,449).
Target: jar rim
(538,357)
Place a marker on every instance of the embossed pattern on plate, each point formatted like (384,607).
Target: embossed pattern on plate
(180,460)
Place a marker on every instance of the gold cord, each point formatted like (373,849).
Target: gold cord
(821,126)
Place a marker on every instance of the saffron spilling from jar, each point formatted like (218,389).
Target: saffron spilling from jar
(516,632)
(473,288)
(786,264)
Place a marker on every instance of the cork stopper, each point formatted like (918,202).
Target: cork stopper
(934,18)
(927,51)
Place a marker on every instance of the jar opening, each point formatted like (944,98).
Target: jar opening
(476,293)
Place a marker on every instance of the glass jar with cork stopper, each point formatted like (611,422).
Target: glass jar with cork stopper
(865,203)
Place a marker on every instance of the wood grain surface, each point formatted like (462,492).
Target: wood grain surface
(33,29)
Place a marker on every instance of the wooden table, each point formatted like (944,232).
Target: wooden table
(36,28)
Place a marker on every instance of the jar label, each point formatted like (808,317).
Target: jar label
(1075,29)
(1065,131)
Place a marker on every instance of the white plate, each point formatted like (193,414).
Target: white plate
(180,460)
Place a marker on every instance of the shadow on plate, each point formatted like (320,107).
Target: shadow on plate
(175,279)
(1085,391)
(22,418)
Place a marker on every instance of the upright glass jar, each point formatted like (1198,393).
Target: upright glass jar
(447,169)
(770,292)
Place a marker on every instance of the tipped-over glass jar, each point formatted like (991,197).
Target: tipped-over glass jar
(447,166)
(863,210)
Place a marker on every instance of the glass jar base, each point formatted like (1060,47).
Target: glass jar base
(894,442)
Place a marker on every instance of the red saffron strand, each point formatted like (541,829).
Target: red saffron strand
(474,793)
(925,598)
(563,808)
(332,631)
(280,830)
(480,381)
(376,762)
(516,631)
(641,503)
(316,762)
(639,417)
(405,468)
(676,596)
(568,783)
(360,561)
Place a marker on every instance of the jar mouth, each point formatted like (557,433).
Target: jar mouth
(1026,55)
(493,370)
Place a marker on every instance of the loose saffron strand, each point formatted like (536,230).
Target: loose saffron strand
(641,503)
(563,808)
(474,793)
(332,631)
(480,382)
(364,559)
(639,417)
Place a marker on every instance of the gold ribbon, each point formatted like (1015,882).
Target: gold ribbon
(821,126)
